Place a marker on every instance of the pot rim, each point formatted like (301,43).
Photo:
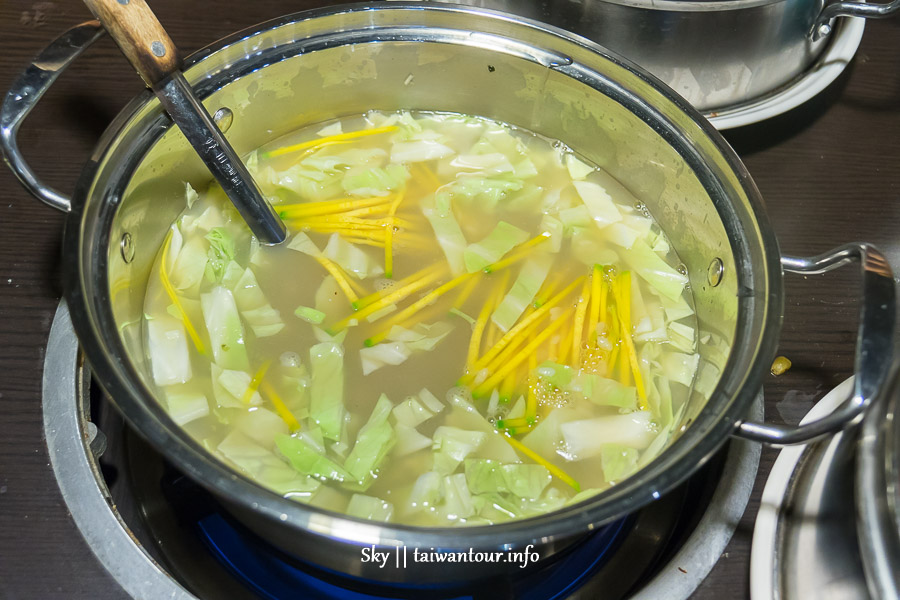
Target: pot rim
(675,464)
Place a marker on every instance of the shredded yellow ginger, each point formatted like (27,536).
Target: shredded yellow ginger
(389,236)
(173,296)
(622,291)
(578,327)
(331,139)
(254,382)
(280,407)
(480,324)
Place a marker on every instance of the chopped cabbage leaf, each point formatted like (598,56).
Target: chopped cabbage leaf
(170,358)
(310,315)
(326,406)
(449,236)
(584,438)
(577,169)
(379,355)
(305,459)
(452,445)
(430,401)
(599,203)
(263,319)
(221,252)
(226,334)
(458,503)
(426,492)
(411,413)
(409,440)
(261,426)
(419,150)
(530,279)
(604,392)
(302,243)
(618,461)
(555,374)
(654,270)
(679,367)
(235,383)
(370,507)
(520,480)
(186,407)
(422,337)
(374,440)
(265,467)
(492,248)
(190,265)
(376,181)
(351,258)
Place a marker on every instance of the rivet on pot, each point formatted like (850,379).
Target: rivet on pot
(224,118)
(158,49)
(127,247)
(715,271)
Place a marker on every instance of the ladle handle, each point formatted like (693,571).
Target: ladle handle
(874,343)
(140,36)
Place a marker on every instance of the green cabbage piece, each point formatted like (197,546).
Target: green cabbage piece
(449,236)
(452,445)
(233,383)
(310,315)
(190,265)
(430,401)
(482,191)
(426,492)
(555,374)
(618,461)
(374,440)
(262,318)
(577,169)
(411,413)
(305,459)
(599,203)
(186,407)
(221,252)
(654,270)
(518,479)
(370,507)
(167,346)
(577,217)
(409,440)
(422,337)
(492,248)
(530,279)
(265,467)
(376,181)
(458,502)
(419,150)
(604,392)
(226,333)
(326,406)
(380,355)
(585,438)
(351,258)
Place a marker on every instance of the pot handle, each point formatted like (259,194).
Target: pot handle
(822,26)
(24,96)
(874,343)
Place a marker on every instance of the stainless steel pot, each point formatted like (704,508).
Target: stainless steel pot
(718,54)
(318,65)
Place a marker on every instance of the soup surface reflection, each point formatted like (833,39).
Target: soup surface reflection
(468,324)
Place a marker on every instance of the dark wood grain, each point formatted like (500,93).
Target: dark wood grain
(830,173)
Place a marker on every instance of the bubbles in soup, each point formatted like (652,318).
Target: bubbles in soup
(468,324)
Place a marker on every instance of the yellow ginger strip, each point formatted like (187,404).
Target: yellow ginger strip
(280,407)
(465,293)
(173,296)
(401,284)
(508,387)
(525,336)
(565,347)
(480,323)
(546,291)
(554,470)
(519,252)
(362,240)
(340,137)
(598,289)
(386,300)
(510,365)
(342,280)
(254,383)
(389,237)
(578,328)
(418,305)
(623,302)
(329,207)
(430,174)
(531,397)
(518,329)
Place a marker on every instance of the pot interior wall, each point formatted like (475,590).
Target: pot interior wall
(523,86)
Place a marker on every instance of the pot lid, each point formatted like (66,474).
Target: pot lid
(878,492)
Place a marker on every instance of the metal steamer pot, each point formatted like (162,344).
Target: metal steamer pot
(718,54)
(313,66)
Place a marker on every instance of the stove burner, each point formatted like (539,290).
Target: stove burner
(160,535)
(275,577)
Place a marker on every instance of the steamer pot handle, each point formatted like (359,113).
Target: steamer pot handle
(822,26)
(24,96)
(874,343)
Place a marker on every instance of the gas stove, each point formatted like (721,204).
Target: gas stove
(161,535)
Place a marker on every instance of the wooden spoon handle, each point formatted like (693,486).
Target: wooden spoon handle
(140,36)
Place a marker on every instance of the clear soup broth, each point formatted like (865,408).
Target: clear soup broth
(468,324)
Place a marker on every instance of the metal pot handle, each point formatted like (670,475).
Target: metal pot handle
(874,343)
(822,26)
(24,95)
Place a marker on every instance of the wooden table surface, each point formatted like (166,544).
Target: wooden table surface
(829,171)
